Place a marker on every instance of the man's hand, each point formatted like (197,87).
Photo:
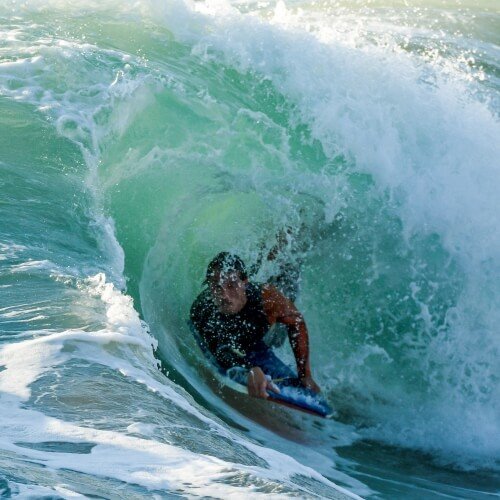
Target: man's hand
(308,382)
(258,384)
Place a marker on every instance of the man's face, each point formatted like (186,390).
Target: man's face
(228,292)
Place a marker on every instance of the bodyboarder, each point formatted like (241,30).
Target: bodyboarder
(232,315)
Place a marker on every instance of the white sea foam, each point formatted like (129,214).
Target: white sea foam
(142,461)
(37,491)
(10,250)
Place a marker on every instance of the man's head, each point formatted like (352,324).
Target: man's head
(227,278)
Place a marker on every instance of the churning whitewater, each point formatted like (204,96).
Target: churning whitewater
(140,138)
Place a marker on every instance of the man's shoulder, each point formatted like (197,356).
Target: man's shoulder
(254,290)
(276,305)
(270,292)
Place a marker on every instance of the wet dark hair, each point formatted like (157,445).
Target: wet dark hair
(225,263)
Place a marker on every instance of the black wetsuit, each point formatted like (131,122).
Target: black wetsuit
(231,337)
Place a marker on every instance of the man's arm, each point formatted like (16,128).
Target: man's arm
(282,310)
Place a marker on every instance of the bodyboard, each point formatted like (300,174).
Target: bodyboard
(291,393)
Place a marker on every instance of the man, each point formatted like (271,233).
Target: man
(232,316)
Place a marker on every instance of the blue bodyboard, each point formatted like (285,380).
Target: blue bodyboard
(291,392)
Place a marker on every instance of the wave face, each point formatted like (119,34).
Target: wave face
(139,139)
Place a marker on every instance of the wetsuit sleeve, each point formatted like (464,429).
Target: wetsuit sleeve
(195,314)
(282,310)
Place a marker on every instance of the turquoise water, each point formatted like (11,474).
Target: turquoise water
(138,139)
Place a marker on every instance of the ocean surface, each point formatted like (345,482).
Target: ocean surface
(140,138)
